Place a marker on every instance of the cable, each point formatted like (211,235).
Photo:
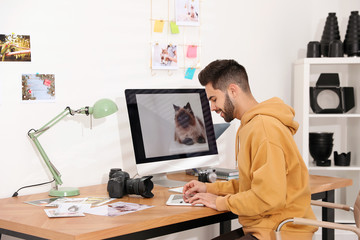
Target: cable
(39,184)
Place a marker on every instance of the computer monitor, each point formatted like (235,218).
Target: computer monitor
(171,130)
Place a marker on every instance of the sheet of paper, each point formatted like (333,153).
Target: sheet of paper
(174,28)
(190,73)
(159,26)
(191,51)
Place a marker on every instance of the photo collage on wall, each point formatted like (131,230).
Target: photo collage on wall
(169,51)
(35,87)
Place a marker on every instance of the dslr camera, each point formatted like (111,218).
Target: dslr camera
(207,175)
(120,184)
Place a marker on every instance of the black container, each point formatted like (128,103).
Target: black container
(336,49)
(330,33)
(320,147)
(313,49)
(352,36)
(342,159)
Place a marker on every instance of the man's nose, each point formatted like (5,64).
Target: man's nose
(212,106)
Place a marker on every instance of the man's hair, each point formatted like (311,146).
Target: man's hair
(221,73)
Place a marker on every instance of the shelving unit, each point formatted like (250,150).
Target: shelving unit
(346,126)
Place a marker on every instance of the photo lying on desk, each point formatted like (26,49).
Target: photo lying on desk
(68,210)
(117,209)
(164,56)
(187,12)
(42,202)
(15,48)
(38,87)
(171,124)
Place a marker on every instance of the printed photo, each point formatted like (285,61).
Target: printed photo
(38,87)
(42,202)
(164,56)
(117,209)
(68,210)
(65,200)
(187,12)
(15,48)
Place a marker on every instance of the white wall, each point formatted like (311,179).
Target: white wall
(99,48)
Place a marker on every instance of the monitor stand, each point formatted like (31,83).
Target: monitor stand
(162,180)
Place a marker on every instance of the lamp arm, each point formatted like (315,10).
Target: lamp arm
(34,134)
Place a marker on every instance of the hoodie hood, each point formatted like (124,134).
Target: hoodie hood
(275,108)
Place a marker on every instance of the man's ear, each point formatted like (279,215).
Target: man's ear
(233,90)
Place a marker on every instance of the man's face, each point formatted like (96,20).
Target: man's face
(220,102)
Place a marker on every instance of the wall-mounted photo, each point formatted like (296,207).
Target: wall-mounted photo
(15,48)
(38,87)
(187,12)
(164,56)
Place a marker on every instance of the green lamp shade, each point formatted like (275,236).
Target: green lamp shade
(102,108)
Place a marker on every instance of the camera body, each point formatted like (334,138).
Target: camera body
(120,184)
(207,175)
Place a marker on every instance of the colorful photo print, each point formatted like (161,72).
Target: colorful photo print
(38,87)
(164,56)
(187,12)
(15,48)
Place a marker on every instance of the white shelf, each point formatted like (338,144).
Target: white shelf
(328,60)
(313,167)
(345,126)
(333,115)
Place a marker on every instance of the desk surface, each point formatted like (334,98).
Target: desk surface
(17,216)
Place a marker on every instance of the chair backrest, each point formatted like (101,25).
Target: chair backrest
(357,210)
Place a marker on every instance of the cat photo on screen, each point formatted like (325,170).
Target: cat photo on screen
(189,129)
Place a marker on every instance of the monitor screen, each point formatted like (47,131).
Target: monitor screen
(171,130)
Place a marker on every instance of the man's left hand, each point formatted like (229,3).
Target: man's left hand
(208,199)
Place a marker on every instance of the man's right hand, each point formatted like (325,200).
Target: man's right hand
(192,188)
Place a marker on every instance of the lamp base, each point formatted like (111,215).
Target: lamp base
(64,192)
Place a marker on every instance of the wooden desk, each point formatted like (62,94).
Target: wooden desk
(323,187)
(30,222)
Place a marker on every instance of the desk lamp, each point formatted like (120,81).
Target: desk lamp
(101,108)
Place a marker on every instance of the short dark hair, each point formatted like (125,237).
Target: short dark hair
(221,73)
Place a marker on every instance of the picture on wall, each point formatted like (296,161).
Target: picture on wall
(15,48)
(164,56)
(187,12)
(38,87)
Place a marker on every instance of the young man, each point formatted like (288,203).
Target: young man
(273,179)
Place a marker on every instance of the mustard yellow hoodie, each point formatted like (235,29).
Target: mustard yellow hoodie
(273,179)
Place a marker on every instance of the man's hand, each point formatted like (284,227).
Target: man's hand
(193,187)
(208,199)
(195,193)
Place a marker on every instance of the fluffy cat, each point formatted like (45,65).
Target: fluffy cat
(189,129)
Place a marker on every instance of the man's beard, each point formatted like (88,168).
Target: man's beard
(228,109)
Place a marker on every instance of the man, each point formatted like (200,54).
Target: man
(273,179)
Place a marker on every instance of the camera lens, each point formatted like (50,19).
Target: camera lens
(140,186)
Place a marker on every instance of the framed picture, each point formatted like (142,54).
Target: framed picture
(38,87)
(187,12)
(164,56)
(15,48)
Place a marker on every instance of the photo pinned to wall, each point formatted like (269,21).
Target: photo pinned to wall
(164,56)
(38,87)
(187,12)
(15,48)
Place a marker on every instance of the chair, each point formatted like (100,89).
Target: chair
(304,221)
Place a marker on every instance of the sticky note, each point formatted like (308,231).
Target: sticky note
(190,73)
(174,28)
(159,26)
(191,51)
